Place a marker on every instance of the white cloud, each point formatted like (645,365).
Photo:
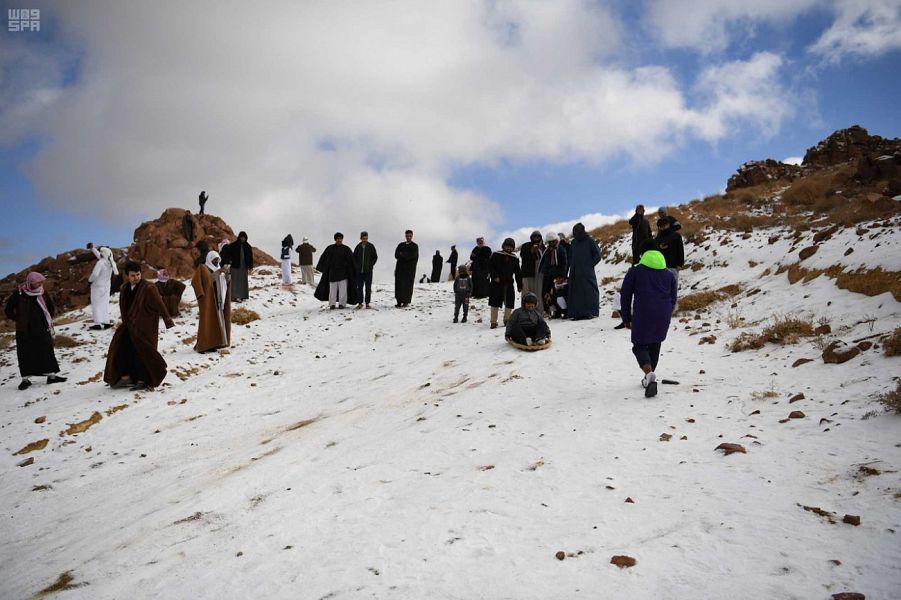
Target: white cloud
(590,221)
(862,28)
(313,117)
(793,160)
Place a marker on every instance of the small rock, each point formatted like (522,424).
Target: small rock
(851,520)
(848,596)
(730,448)
(665,437)
(808,252)
(824,329)
(630,501)
(622,561)
(801,361)
(864,346)
(796,414)
(40,420)
(795,398)
(26,462)
(838,353)
(849,251)
(560,555)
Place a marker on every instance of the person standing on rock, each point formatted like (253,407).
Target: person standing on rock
(100,279)
(530,254)
(648,299)
(437,265)
(32,310)
(552,266)
(453,263)
(305,253)
(337,267)
(365,257)
(202,199)
(287,245)
(170,291)
(240,254)
(503,268)
(583,299)
(641,232)
(211,287)
(133,359)
(407,255)
(187,226)
(480,257)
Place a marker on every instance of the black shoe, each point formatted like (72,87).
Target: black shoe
(456,320)
(122,383)
(24,385)
(399,305)
(464,320)
(620,326)
(95,327)
(107,325)
(138,387)
(651,390)
(55,379)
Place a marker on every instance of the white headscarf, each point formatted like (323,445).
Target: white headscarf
(107,254)
(218,280)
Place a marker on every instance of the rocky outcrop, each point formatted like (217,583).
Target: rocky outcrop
(756,172)
(160,243)
(847,145)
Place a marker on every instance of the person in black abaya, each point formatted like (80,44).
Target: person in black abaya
(453,264)
(407,255)
(583,296)
(480,256)
(437,263)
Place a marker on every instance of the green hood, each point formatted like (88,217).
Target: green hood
(653,259)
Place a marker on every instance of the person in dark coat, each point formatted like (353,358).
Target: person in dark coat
(32,310)
(452,260)
(479,257)
(305,258)
(526,325)
(583,300)
(437,265)
(133,358)
(239,254)
(641,232)
(203,249)
(202,199)
(171,291)
(503,268)
(187,226)
(567,247)
(407,255)
(365,257)
(530,254)
(553,265)
(462,293)
(337,267)
(669,241)
(648,300)
(663,213)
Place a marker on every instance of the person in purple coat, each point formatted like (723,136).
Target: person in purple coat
(648,298)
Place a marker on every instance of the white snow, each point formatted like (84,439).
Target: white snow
(391,453)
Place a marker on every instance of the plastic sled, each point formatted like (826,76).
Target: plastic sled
(531,348)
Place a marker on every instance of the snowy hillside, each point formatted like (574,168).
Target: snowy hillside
(393,454)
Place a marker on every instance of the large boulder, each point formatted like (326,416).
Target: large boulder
(756,172)
(846,145)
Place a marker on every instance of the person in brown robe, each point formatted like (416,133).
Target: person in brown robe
(171,291)
(133,359)
(213,290)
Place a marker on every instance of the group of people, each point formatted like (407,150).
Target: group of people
(555,277)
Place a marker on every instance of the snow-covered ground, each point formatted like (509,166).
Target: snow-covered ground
(392,454)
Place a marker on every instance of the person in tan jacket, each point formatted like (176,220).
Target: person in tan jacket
(213,290)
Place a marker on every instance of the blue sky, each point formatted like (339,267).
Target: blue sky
(479,119)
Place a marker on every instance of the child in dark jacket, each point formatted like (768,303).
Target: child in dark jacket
(462,293)
(526,326)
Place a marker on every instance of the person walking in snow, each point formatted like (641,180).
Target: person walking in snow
(583,295)
(337,267)
(669,241)
(641,231)
(648,298)
(100,279)
(365,257)
(437,265)
(462,293)
(305,255)
(133,359)
(211,286)
(503,267)
(526,325)
(287,245)
(202,199)
(480,257)
(407,255)
(240,253)
(32,310)
(452,259)
(530,254)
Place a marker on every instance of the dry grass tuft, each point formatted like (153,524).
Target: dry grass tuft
(701,300)
(783,331)
(815,187)
(65,341)
(243,316)
(6,341)
(869,282)
(892,400)
(892,344)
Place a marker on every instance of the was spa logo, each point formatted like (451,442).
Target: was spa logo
(24,19)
